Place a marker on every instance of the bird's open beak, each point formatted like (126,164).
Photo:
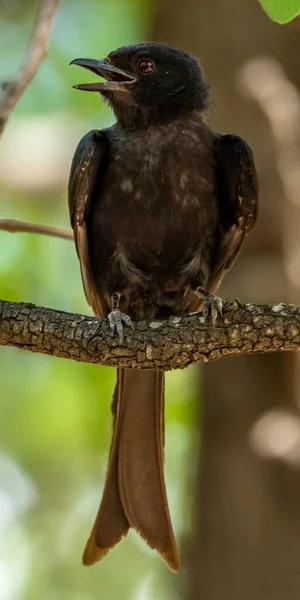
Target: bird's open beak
(116,79)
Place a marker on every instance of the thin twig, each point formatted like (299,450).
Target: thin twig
(37,50)
(171,344)
(14,226)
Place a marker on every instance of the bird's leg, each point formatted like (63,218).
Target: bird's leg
(117,318)
(212,305)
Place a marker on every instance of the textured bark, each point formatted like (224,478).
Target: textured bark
(172,344)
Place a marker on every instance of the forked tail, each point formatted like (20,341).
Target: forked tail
(135,493)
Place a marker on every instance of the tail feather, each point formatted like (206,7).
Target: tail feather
(141,476)
(135,493)
(111,523)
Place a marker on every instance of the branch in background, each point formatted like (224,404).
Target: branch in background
(38,47)
(264,81)
(14,226)
(171,344)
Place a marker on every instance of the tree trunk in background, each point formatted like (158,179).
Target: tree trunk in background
(246,539)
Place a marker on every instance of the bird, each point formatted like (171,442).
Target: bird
(160,205)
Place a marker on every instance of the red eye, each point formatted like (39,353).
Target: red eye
(145,66)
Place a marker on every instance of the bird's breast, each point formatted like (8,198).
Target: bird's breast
(155,212)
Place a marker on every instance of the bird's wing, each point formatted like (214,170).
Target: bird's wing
(84,170)
(238,204)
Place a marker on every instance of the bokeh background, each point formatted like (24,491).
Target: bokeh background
(233,428)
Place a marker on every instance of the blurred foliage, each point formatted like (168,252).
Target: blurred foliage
(54,415)
(281,11)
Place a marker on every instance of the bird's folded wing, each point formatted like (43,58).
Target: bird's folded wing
(85,169)
(237,185)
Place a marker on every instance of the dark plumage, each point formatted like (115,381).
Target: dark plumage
(160,205)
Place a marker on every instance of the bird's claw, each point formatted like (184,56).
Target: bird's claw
(212,306)
(116,319)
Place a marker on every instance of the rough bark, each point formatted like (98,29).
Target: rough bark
(172,344)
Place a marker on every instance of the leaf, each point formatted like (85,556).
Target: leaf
(281,11)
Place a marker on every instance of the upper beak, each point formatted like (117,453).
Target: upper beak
(115,78)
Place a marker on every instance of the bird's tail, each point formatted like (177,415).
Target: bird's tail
(135,493)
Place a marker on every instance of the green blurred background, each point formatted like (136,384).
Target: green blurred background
(232,465)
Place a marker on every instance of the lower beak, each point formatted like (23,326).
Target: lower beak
(115,78)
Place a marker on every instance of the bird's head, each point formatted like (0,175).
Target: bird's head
(148,82)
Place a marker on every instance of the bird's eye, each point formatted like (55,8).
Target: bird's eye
(145,66)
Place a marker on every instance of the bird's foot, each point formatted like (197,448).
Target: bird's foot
(117,318)
(212,306)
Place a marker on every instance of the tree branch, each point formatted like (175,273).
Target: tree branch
(171,344)
(37,50)
(15,226)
